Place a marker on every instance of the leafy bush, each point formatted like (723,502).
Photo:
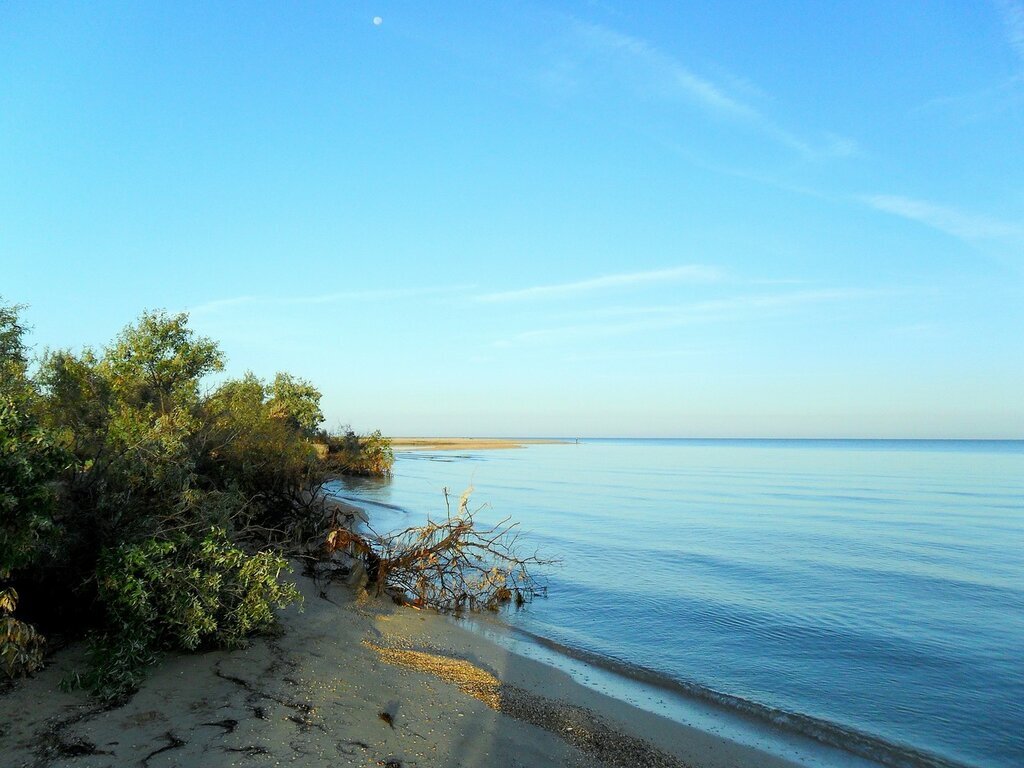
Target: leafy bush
(180,594)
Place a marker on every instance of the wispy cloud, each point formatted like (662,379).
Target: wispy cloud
(383,294)
(670,76)
(994,100)
(690,273)
(716,310)
(1012,13)
(952,221)
(674,74)
(980,104)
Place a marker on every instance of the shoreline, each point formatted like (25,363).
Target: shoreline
(774,731)
(650,694)
(357,681)
(791,737)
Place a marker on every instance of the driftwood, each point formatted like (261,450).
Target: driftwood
(450,565)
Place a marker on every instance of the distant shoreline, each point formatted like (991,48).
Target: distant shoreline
(487,443)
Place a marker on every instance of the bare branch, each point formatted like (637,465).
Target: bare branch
(450,565)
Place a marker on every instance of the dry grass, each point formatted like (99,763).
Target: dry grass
(470,679)
(576,725)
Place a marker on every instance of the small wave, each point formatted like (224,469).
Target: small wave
(822,731)
(362,500)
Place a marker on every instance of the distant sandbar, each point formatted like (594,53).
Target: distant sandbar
(465,443)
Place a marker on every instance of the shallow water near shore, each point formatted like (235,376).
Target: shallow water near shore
(868,593)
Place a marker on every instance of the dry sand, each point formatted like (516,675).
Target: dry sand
(350,681)
(464,443)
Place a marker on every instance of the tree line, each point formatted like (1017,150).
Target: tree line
(148,514)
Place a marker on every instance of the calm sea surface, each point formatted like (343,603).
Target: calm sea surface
(871,592)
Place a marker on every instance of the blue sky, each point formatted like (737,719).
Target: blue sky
(589,218)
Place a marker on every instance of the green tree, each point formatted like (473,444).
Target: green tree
(254,451)
(160,361)
(296,399)
(13,355)
(29,463)
(78,401)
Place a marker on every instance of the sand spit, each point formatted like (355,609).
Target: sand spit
(349,682)
(464,443)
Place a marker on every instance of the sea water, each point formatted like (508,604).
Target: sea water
(869,594)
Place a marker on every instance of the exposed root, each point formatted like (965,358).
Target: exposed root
(173,742)
(252,750)
(228,725)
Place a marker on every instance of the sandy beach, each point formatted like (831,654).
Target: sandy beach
(349,681)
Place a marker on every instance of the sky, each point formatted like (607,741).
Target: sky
(778,219)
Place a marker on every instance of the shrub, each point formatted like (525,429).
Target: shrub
(367,455)
(180,594)
(29,463)
(21,646)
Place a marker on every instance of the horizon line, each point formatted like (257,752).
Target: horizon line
(719,437)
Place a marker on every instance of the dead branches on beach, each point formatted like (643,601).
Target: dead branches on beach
(451,564)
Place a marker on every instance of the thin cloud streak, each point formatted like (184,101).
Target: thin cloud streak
(712,97)
(691,273)
(383,294)
(967,226)
(715,310)
(697,88)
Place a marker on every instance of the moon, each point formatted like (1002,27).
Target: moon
(377,21)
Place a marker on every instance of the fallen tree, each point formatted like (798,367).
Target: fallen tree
(450,564)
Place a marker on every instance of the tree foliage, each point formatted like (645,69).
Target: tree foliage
(254,449)
(159,362)
(30,462)
(297,401)
(13,358)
